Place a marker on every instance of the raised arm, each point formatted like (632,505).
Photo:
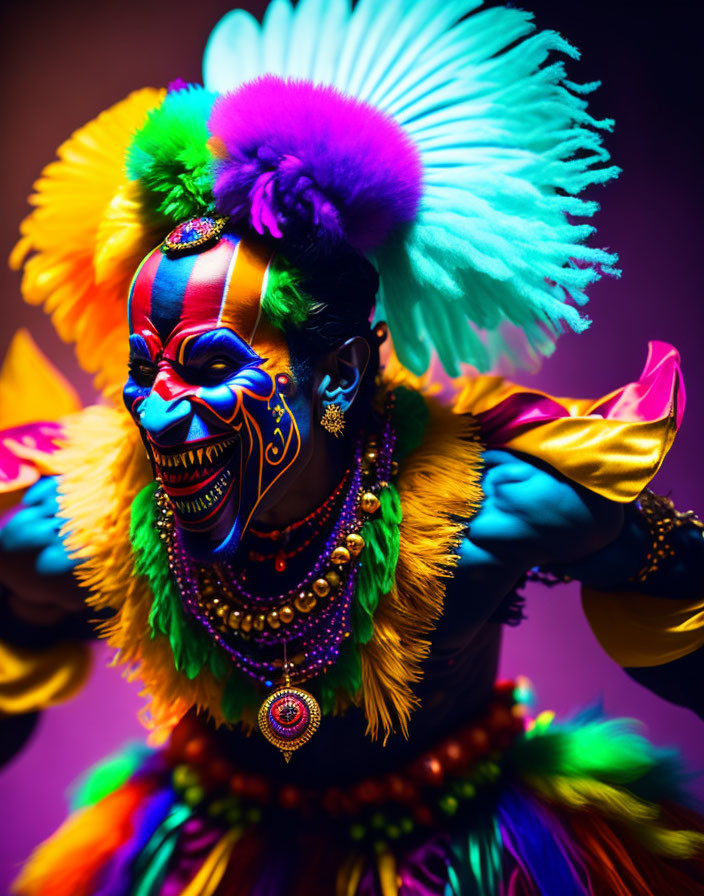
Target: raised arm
(644,605)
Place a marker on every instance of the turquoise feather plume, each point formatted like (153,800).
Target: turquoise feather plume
(497,255)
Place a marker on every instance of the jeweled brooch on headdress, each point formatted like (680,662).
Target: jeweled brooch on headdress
(194,233)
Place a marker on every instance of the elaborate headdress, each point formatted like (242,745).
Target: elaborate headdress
(441,140)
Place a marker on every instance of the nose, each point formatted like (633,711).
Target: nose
(165,419)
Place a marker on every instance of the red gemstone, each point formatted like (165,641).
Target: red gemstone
(280,562)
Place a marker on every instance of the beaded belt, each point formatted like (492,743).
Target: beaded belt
(440,783)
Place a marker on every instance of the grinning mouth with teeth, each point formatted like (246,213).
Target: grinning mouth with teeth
(198,479)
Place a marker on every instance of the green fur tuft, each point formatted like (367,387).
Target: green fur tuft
(170,158)
(284,303)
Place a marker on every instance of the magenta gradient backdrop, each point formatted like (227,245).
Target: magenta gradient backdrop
(65,62)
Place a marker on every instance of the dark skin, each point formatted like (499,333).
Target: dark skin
(530,516)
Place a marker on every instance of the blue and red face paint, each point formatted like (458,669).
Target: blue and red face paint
(215,421)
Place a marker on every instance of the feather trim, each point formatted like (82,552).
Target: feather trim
(86,237)
(606,768)
(69,863)
(499,246)
(439,490)
(103,468)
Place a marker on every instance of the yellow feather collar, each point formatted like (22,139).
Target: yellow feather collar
(103,468)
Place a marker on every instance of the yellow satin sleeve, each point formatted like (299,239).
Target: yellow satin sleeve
(32,680)
(614,458)
(639,630)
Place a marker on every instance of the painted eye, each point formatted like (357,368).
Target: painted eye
(219,368)
(142,372)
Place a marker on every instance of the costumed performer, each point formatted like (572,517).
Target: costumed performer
(290,530)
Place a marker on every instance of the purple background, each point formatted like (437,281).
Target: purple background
(63,64)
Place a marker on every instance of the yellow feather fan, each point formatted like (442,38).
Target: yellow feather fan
(103,469)
(86,236)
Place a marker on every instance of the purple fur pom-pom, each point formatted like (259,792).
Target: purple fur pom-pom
(299,160)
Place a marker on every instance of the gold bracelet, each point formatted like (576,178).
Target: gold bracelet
(662,518)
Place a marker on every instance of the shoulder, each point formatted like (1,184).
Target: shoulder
(533,513)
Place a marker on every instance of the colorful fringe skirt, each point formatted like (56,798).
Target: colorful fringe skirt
(500,808)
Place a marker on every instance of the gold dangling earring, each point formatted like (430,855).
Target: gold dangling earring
(333,420)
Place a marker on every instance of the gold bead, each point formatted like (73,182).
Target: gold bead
(371,456)
(259,622)
(394,467)
(355,544)
(370,503)
(234,619)
(321,587)
(272,617)
(286,614)
(305,601)
(222,611)
(340,555)
(246,624)
(333,579)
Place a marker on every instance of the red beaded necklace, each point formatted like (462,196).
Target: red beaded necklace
(317,518)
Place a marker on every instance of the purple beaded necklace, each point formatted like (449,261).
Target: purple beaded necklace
(312,619)
(296,635)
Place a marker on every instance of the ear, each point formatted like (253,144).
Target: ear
(345,371)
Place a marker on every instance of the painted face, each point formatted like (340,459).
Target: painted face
(209,384)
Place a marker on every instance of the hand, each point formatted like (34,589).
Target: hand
(34,564)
